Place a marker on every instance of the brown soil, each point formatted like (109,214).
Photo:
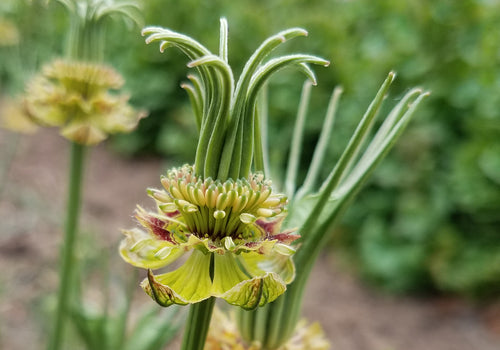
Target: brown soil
(31,212)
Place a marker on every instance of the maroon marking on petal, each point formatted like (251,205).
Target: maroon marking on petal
(252,244)
(285,238)
(270,226)
(157,227)
(171,215)
(267,226)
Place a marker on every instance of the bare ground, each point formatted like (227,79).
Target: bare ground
(353,316)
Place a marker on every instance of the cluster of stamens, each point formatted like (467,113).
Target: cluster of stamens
(218,209)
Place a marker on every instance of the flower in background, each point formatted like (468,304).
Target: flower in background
(13,116)
(76,97)
(224,335)
(231,230)
(9,34)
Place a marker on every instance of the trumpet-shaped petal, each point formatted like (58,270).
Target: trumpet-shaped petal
(189,284)
(236,286)
(278,264)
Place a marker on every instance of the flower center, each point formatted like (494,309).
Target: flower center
(84,78)
(215,209)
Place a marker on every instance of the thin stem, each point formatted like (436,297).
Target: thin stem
(197,324)
(67,253)
(9,155)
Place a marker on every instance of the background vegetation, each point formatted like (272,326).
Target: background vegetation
(429,220)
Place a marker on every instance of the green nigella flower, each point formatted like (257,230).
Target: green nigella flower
(231,230)
(222,210)
(76,97)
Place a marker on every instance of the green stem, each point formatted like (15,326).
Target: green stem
(197,325)
(9,155)
(67,253)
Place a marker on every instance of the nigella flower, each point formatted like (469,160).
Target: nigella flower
(231,232)
(221,212)
(76,97)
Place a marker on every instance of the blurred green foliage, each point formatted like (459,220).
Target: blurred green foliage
(430,217)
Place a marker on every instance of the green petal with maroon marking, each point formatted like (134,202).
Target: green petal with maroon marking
(190,283)
(141,249)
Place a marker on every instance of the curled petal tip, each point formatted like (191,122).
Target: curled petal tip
(164,45)
(149,30)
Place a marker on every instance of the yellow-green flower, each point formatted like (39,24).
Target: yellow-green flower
(224,335)
(231,232)
(76,97)
(13,117)
(9,35)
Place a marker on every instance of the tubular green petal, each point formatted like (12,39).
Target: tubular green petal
(83,133)
(259,264)
(142,250)
(188,284)
(227,274)
(241,287)
(254,292)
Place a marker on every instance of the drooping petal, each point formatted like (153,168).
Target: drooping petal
(143,250)
(280,264)
(254,292)
(227,273)
(190,283)
(237,287)
(83,132)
